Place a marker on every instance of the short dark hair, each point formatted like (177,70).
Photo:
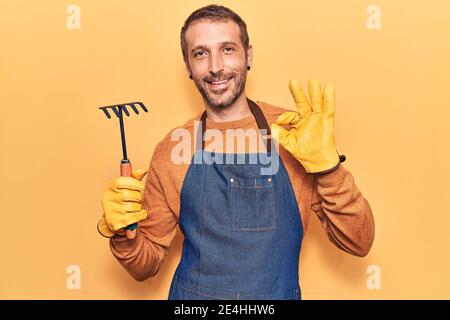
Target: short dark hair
(215,13)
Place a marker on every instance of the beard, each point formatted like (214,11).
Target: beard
(222,98)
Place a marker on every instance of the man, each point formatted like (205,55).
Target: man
(243,220)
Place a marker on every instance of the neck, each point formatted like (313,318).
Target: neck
(238,110)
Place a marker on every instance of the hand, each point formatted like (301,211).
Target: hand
(122,204)
(311,138)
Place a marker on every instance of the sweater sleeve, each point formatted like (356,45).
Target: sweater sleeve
(343,211)
(142,256)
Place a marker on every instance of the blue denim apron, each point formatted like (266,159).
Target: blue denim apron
(242,229)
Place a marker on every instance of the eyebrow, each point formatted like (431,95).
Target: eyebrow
(224,43)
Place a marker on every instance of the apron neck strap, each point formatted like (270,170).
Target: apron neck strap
(260,121)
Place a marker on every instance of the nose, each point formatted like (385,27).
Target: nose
(215,64)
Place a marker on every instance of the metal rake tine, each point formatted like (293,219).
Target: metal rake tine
(124,108)
(116,110)
(106,112)
(118,107)
(134,108)
(142,106)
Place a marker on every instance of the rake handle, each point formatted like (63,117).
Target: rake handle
(126,171)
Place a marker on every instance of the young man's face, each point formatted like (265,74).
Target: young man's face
(217,61)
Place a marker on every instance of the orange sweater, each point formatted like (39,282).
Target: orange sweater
(343,211)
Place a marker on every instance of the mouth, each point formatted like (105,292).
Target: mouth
(219,84)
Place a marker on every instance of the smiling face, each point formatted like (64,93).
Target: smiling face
(217,61)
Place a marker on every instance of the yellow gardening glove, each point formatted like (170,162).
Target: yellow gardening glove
(122,204)
(311,138)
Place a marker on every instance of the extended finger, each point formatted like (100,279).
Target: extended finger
(301,101)
(328,98)
(315,92)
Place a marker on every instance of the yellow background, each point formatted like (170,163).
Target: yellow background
(59,151)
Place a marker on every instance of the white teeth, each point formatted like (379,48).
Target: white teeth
(223,81)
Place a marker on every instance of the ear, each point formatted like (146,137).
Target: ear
(250,55)
(188,68)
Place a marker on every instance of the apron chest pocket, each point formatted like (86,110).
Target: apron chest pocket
(252,204)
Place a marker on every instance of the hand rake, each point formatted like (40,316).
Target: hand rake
(125,164)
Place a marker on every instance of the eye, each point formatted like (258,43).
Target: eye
(196,54)
(229,49)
